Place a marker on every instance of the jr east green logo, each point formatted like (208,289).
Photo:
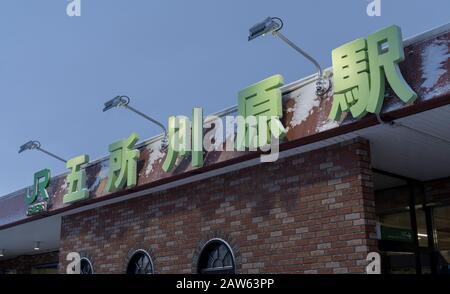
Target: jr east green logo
(37,197)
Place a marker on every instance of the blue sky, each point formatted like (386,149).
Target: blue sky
(167,55)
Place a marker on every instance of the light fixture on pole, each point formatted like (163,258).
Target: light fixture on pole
(37,246)
(274,25)
(2,252)
(124,101)
(30,145)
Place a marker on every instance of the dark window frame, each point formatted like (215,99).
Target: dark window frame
(135,257)
(85,259)
(208,248)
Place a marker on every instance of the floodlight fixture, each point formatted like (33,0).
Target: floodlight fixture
(30,145)
(116,102)
(274,25)
(37,246)
(266,26)
(124,101)
(2,252)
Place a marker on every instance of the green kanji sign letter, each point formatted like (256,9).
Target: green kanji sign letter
(185,137)
(261,100)
(360,68)
(123,164)
(197,137)
(76,180)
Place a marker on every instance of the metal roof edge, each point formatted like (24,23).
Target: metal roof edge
(426,35)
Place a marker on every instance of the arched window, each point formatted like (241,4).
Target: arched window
(86,267)
(140,263)
(216,257)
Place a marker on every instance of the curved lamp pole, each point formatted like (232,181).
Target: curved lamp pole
(123,101)
(30,145)
(274,25)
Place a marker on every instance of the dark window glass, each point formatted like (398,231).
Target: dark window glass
(140,263)
(86,266)
(442,235)
(392,208)
(51,268)
(216,258)
(399,262)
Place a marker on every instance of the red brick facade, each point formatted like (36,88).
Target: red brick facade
(309,213)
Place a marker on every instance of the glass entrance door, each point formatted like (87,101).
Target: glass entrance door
(441,231)
(403,226)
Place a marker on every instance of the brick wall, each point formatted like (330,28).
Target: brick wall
(309,213)
(23,264)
